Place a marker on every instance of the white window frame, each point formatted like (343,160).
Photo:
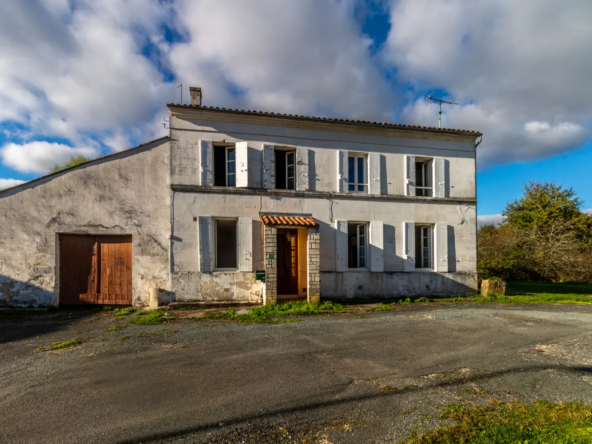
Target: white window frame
(425,165)
(293,153)
(226,162)
(354,181)
(429,230)
(365,225)
(215,252)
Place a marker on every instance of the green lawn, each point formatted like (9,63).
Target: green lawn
(519,292)
(538,423)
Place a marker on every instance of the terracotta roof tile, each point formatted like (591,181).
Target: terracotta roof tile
(289,221)
(346,121)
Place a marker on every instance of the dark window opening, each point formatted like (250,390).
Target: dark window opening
(423,178)
(423,246)
(356,241)
(224,166)
(226,244)
(285,170)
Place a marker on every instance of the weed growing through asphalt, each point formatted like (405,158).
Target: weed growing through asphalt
(63,345)
(267,313)
(497,422)
(148,318)
(123,311)
(124,337)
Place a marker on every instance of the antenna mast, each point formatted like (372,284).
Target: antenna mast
(440,102)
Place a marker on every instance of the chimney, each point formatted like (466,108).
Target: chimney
(195,93)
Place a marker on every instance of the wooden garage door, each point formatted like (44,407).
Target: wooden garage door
(95,270)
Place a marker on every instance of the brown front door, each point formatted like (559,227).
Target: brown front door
(95,270)
(287,261)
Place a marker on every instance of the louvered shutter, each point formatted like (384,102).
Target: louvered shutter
(341,245)
(439,177)
(206,244)
(410,175)
(342,179)
(302,169)
(242,165)
(268,167)
(441,253)
(207,163)
(245,244)
(409,246)
(376,246)
(374,173)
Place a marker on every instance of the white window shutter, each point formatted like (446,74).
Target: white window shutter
(439,177)
(410,175)
(409,246)
(374,173)
(206,244)
(207,163)
(268,167)
(242,165)
(341,246)
(376,246)
(245,244)
(302,169)
(342,179)
(441,253)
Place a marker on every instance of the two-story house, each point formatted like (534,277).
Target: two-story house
(250,206)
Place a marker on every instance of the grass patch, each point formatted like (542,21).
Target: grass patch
(63,345)
(267,313)
(516,422)
(115,328)
(148,318)
(123,311)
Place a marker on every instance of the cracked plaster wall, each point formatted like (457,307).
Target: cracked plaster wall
(125,194)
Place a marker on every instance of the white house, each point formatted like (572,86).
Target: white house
(327,208)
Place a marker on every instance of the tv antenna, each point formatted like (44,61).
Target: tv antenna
(181,86)
(440,102)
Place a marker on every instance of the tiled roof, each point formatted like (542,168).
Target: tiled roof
(289,221)
(330,120)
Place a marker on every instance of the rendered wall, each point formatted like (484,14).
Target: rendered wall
(124,194)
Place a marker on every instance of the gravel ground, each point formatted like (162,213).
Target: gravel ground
(350,378)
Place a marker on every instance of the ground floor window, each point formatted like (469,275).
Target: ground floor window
(424,246)
(357,240)
(225,240)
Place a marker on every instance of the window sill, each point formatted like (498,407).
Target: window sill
(356,269)
(424,270)
(226,270)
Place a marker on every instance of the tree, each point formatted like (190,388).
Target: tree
(542,204)
(74,161)
(545,237)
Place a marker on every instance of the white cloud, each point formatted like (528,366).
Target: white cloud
(588,211)
(39,157)
(9,183)
(299,57)
(490,219)
(514,66)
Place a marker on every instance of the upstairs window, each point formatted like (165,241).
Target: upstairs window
(424,178)
(224,166)
(358,180)
(285,169)
(424,246)
(357,241)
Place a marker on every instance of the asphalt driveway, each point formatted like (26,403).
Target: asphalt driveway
(333,378)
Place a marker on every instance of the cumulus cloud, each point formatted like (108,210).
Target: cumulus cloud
(40,156)
(513,66)
(304,57)
(9,183)
(490,219)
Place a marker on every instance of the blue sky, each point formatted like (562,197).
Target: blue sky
(91,78)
